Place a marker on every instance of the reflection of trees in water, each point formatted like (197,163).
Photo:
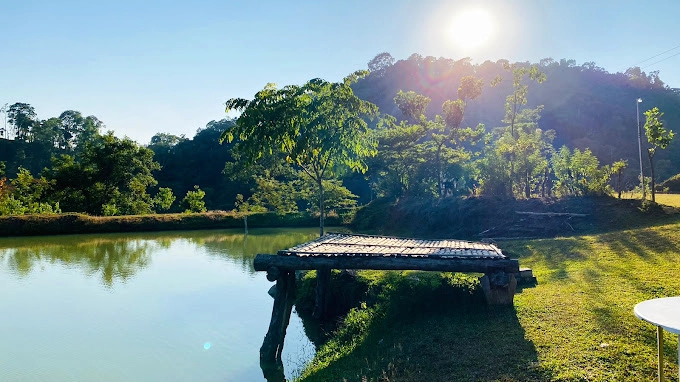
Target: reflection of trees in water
(120,256)
(114,259)
(241,249)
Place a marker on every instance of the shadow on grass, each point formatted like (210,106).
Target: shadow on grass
(419,331)
(554,254)
(641,243)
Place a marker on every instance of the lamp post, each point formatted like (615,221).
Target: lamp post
(642,176)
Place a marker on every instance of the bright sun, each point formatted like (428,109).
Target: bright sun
(472,28)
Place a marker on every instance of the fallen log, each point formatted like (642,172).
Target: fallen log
(551,214)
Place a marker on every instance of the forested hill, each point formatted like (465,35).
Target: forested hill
(587,106)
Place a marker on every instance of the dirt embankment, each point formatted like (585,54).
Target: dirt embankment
(476,218)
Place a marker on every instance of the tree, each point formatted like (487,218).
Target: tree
(70,127)
(658,137)
(243,208)
(617,169)
(76,130)
(28,194)
(513,103)
(320,127)
(23,117)
(411,104)
(579,173)
(193,201)
(274,195)
(396,168)
(47,132)
(380,62)
(111,176)
(163,199)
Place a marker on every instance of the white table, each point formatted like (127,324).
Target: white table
(665,314)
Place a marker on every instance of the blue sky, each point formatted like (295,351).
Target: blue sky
(161,66)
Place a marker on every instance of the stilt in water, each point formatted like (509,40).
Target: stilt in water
(272,347)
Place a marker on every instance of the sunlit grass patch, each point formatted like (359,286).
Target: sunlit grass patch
(576,324)
(672,200)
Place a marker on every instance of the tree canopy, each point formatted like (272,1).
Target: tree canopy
(320,127)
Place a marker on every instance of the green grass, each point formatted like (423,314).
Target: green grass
(577,324)
(672,200)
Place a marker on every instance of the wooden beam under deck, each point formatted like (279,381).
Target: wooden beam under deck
(431,263)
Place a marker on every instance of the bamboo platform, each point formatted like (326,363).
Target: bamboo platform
(350,251)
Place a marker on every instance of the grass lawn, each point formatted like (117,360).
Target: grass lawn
(672,200)
(577,324)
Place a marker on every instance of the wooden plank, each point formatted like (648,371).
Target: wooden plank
(263,262)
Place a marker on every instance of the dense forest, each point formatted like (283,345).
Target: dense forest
(438,128)
(585,105)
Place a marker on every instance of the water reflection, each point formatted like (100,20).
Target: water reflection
(118,257)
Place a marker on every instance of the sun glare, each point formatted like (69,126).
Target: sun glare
(472,28)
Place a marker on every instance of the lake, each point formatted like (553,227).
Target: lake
(171,306)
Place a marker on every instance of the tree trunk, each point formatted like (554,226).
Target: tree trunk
(618,183)
(322,208)
(652,185)
(439,173)
(527,185)
(245,223)
(512,176)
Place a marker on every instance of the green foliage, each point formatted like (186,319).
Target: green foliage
(411,104)
(193,201)
(245,207)
(163,199)
(25,195)
(658,137)
(277,196)
(110,172)
(518,164)
(199,160)
(617,169)
(579,173)
(656,133)
(11,206)
(336,196)
(672,184)
(320,127)
(110,209)
(23,117)
(380,63)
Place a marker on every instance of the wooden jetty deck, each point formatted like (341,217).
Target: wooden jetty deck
(350,251)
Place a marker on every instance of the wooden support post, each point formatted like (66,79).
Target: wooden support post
(499,288)
(272,347)
(323,281)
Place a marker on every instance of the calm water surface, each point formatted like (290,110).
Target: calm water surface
(181,306)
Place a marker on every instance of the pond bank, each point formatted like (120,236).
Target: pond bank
(576,324)
(74,223)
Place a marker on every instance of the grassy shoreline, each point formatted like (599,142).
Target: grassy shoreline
(73,223)
(576,324)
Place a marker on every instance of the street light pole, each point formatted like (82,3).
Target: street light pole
(642,175)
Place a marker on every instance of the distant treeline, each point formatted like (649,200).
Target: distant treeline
(447,128)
